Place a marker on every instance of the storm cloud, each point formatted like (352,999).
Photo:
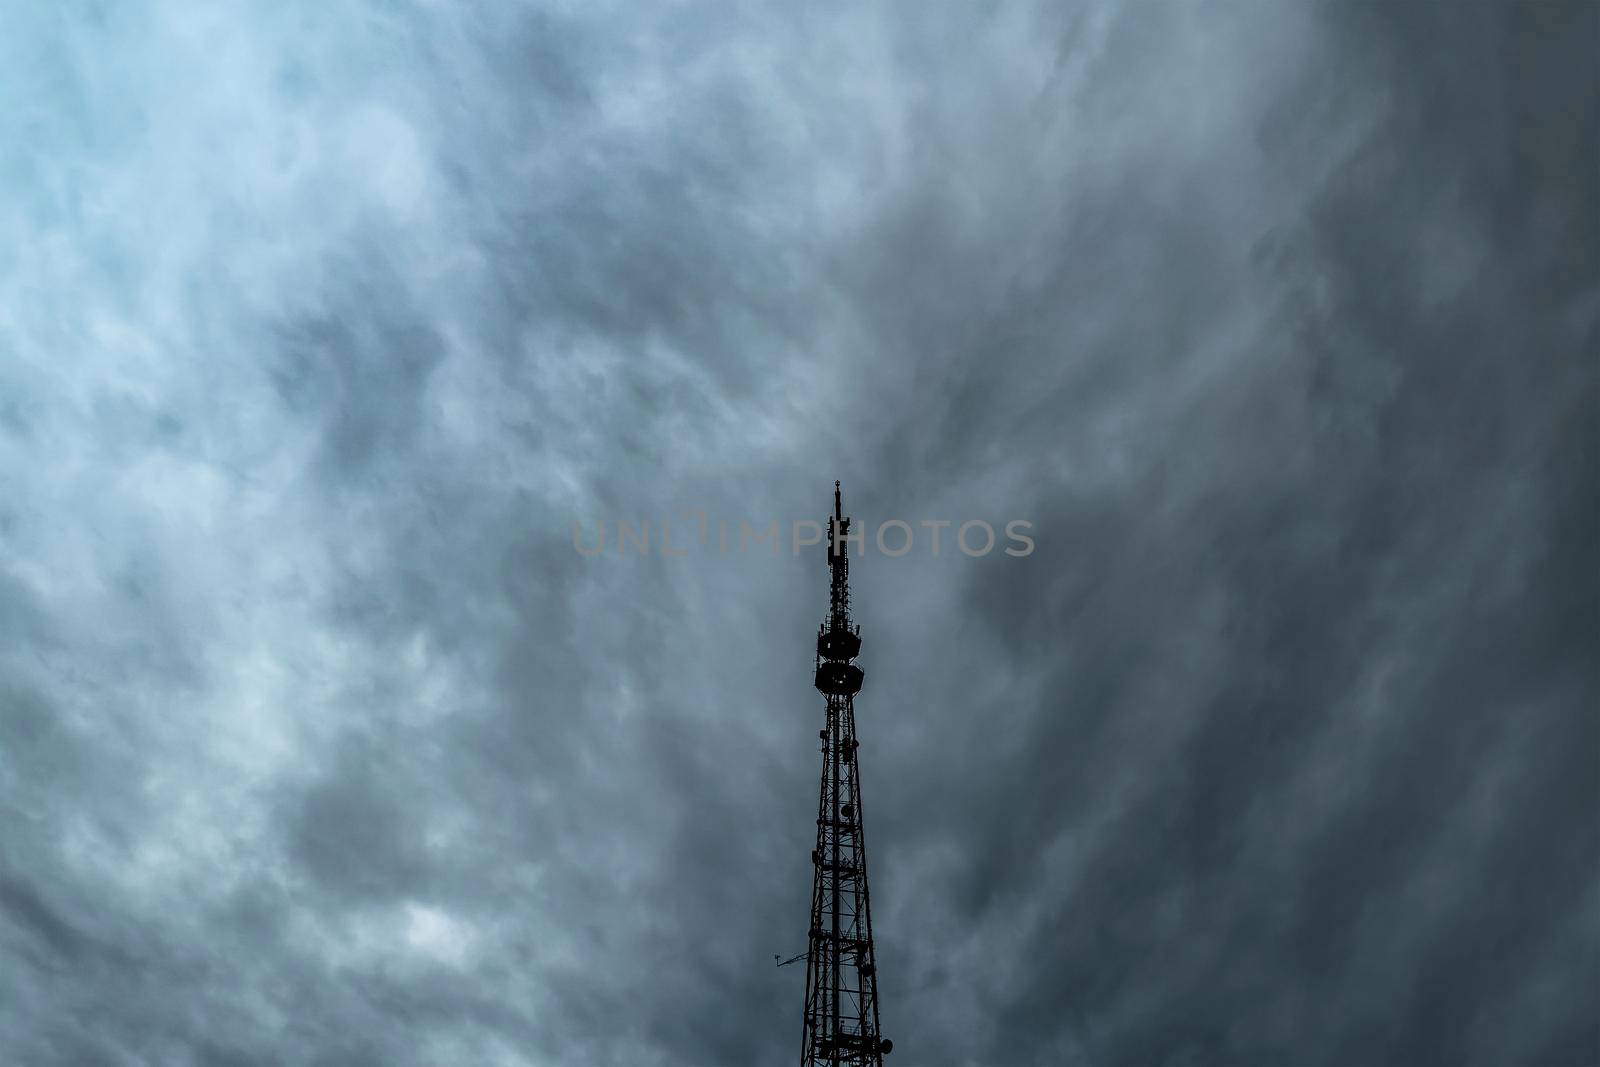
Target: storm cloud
(321,325)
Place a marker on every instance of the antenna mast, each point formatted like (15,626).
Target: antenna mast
(841,1016)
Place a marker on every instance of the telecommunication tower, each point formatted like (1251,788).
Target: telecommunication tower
(841,1019)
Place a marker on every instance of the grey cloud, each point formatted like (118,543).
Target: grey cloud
(320,744)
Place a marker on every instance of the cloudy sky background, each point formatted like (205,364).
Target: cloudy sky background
(320,324)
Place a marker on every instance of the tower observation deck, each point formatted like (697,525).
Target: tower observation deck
(841,1012)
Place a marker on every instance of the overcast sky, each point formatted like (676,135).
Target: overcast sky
(322,323)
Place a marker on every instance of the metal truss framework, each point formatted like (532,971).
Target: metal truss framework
(841,1014)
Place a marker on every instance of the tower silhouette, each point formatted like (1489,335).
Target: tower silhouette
(841,1024)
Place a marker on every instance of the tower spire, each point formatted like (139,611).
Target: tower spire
(841,1012)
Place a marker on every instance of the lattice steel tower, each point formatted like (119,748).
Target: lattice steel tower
(841,1023)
